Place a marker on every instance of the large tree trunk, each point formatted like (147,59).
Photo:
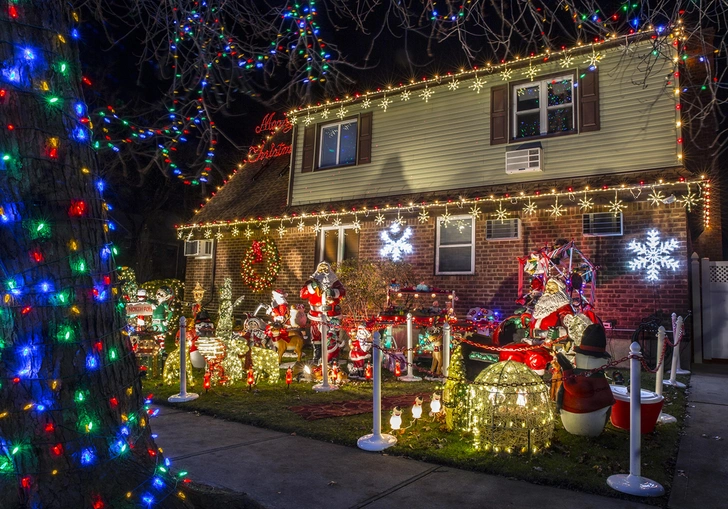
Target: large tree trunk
(73,428)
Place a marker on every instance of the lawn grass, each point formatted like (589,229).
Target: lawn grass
(572,462)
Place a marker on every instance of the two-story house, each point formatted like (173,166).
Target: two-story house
(483,166)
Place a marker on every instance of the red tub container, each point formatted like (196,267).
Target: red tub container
(651,406)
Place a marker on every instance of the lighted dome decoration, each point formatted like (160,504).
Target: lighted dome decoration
(509,409)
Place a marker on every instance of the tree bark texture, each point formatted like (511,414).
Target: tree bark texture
(70,399)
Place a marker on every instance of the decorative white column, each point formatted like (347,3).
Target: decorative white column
(664,418)
(376,441)
(446,340)
(183,394)
(410,377)
(633,483)
(324,386)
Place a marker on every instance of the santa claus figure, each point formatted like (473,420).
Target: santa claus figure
(278,309)
(323,291)
(550,309)
(359,350)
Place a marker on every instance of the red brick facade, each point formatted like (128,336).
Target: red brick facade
(623,296)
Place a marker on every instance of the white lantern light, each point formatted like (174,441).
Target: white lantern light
(417,408)
(435,404)
(395,421)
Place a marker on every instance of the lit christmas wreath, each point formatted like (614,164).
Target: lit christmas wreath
(263,251)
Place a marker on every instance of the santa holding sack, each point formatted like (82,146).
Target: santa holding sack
(278,309)
(323,291)
(585,399)
(550,310)
(359,348)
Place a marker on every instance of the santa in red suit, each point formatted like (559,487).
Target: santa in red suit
(278,309)
(359,351)
(323,291)
(550,309)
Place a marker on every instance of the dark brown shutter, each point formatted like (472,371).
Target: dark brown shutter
(309,142)
(499,115)
(589,101)
(365,138)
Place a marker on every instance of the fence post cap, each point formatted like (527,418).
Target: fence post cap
(634,348)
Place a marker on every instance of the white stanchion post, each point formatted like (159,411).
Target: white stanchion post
(446,339)
(677,339)
(376,441)
(324,386)
(410,377)
(664,418)
(679,325)
(183,394)
(633,483)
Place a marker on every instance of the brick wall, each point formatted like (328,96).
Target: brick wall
(622,296)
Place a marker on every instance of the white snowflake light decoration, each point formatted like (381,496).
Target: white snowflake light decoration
(475,211)
(593,59)
(317,227)
(405,96)
(265,229)
(379,219)
(478,84)
(501,214)
(586,203)
(653,255)
(531,72)
(656,198)
(400,220)
(454,84)
(235,231)
(530,208)
(307,120)
(281,230)
(356,224)
(366,103)
(426,94)
(446,218)
(689,200)
(179,234)
(293,120)
(506,74)
(396,244)
(208,233)
(342,112)
(616,206)
(325,113)
(301,226)
(567,61)
(557,210)
(337,222)
(423,216)
(248,232)
(384,103)
(219,235)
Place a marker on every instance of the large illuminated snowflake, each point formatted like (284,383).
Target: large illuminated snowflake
(396,244)
(653,255)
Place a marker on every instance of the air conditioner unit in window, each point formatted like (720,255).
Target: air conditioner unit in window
(523,161)
(506,229)
(602,224)
(199,248)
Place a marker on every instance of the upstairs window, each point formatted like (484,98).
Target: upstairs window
(543,107)
(338,144)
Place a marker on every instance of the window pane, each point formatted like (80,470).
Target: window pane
(329,143)
(454,259)
(331,245)
(527,98)
(459,231)
(561,119)
(348,143)
(560,92)
(351,244)
(528,124)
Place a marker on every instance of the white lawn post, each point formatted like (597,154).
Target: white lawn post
(376,441)
(410,377)
(679,325)
(324,385)
(446,339)
(664,418)
(677,339)
(183,394)
(633,483)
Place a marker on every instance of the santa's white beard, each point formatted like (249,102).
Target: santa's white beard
(548,303)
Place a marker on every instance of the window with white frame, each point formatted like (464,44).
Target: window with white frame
(543,107)
(337,143)
(337,243)
(455,245)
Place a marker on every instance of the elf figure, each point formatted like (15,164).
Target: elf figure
(323,291)
(163,311)
(278,309)
(585,398)
(198,293)
(359,350)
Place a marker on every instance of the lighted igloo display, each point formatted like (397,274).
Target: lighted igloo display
(509,409)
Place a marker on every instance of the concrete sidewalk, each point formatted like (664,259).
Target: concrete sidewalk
(701,479)
(285,471)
